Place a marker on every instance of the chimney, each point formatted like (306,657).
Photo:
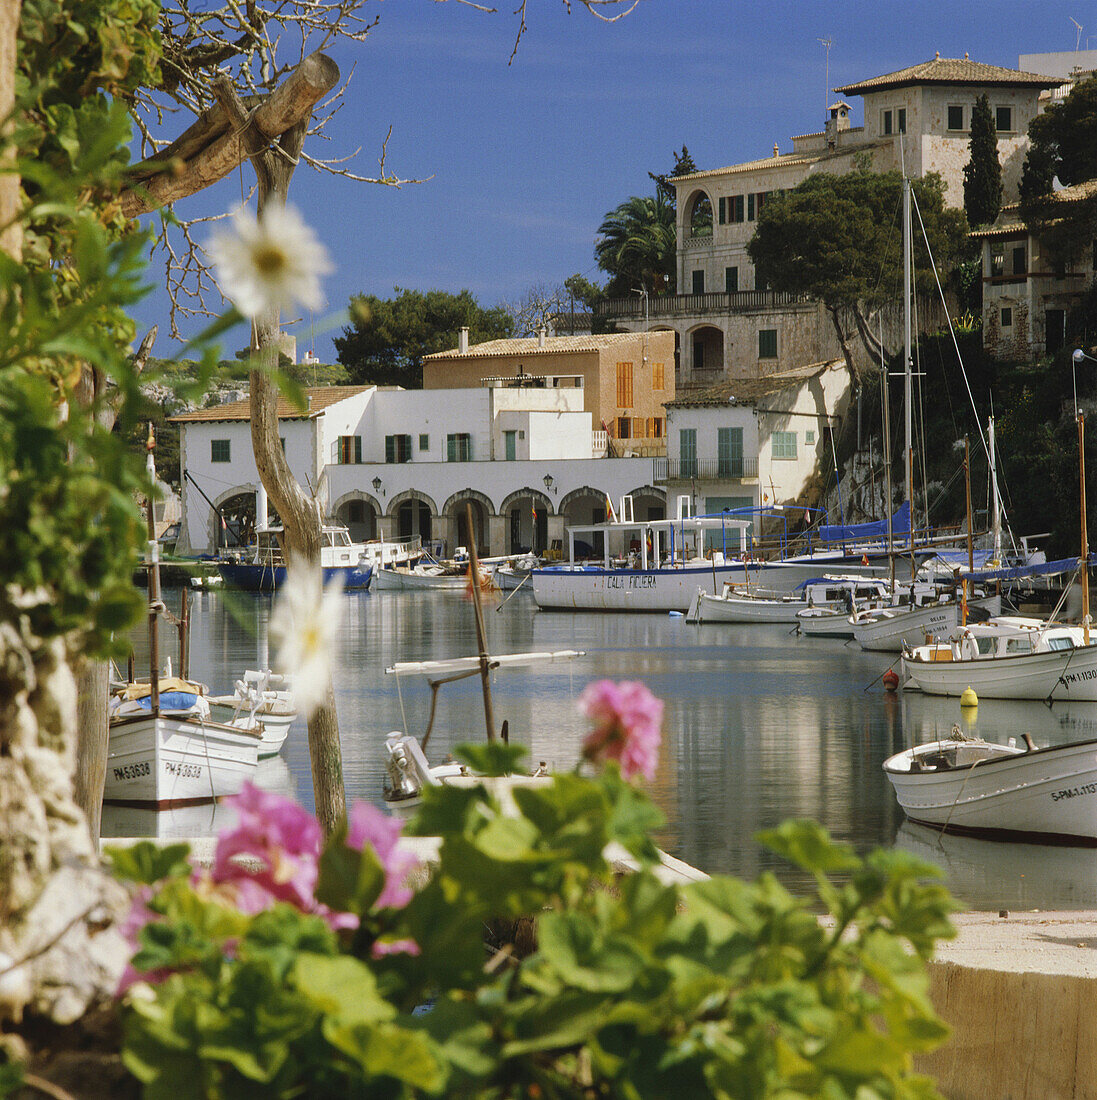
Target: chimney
(463,341)
(776,150)
(541,337)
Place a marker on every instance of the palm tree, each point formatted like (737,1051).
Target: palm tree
(637,245)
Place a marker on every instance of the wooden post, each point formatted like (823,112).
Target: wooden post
(481,641)
(184,634)
(154,583)
(967,486)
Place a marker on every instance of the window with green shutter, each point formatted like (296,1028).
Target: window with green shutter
(767,343)
(459,447)
(783,444)
(687,452)
(729,452)
(397,448)
(219,450)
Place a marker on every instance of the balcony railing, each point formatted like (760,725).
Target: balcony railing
(674,305)
(705,469)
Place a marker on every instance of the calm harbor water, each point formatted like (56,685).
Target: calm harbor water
(761,725)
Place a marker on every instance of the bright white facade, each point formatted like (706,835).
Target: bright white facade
(755,443)
(398,463)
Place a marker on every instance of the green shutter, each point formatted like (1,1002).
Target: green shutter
(358,448)
(390,448)
(451,448)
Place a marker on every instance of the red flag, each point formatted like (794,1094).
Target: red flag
(864,559)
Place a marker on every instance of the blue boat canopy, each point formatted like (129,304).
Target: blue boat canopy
(860,532)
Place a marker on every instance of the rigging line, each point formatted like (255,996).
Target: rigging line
(956,348)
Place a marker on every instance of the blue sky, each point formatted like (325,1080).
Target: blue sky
(526,159)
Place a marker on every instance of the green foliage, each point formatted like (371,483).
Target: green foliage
(838,238)
(983,171)
(633,988)
(637,246)
(683,165)
(388,337)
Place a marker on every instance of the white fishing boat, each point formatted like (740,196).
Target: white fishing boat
(1010,657)
(427,576)
(514,573)
(172,753)
(928,611)
(263,569)
(407,771)
(741,604)
(975,787)
(262,698)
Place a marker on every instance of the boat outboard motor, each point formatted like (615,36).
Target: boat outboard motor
(401,780)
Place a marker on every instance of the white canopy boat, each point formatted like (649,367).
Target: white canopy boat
(740,604)
(1009,657)
(967,785)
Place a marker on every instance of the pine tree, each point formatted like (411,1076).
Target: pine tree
(983,172)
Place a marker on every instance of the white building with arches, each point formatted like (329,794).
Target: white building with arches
(394,463)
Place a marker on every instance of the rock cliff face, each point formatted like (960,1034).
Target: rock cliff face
(61,948)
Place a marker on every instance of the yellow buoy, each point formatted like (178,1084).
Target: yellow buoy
(969,698)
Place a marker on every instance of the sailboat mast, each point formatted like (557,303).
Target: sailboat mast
(889,502)
(154,581)
(995,515)
(908,400)
(1085,539)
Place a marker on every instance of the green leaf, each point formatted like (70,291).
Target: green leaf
(584,957)
(350,881)
(343,988)
(147,863)
(491,757)
(388,1051)
(808,845)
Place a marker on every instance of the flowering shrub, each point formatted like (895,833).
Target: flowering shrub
(348,983)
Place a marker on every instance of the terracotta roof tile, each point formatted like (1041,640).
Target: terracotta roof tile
(749,391)
(944,70)
(321,398)
(530,345)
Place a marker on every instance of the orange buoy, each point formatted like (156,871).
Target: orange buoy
(891,679)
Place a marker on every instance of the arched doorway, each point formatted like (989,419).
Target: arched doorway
(359,516)
(699,215)
(456,508)
(234,521)
(413,518)
(526,512)
(704,353)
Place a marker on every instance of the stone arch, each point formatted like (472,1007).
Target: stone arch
(703,353)
(540,498)
(409,494)
(242,531)
(366,529)
(469,494)
(698,215)
(577,494)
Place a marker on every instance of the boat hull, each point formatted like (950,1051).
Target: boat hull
(746,609)
(161,761)
(1044,796)
(593,588)
(1067,674)
(891,630)
(253,577)
(819,622)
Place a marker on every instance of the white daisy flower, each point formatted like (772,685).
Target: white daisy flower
(273,260)
(303,624)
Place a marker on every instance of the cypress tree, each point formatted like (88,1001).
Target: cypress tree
(983,172)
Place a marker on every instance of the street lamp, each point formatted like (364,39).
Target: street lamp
(549,483)
(377,488)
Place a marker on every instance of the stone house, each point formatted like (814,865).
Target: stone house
(626,378)
(918,118)
(1028,289)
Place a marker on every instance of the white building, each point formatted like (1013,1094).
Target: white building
(395,463)
(755,442)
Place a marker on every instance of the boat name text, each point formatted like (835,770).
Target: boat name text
(185,771)
(132,771)
(1074,792)
(1074,677)
(642,580)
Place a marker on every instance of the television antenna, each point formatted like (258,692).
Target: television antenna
(826,43)
(1078,40)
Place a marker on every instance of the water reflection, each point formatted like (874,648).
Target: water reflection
(761,725)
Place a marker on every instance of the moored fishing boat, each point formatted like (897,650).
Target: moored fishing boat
(261,698)
(967,785)
(264,569)
(926,611)
(1010,657)
(739,604)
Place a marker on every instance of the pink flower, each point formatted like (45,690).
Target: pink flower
(370,825)
(627,726)
(381,948)
(280,842)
